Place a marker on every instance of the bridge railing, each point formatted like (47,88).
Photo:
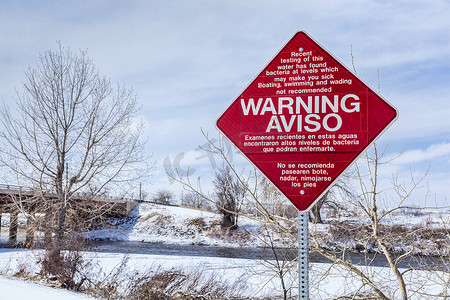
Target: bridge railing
(4,186)
(12,187)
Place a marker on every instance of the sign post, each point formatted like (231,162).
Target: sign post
(303,260)
(302,122)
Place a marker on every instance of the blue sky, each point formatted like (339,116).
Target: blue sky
(187,60)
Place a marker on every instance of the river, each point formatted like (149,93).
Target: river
(372,259)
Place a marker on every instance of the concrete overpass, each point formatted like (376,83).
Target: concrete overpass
(14,199)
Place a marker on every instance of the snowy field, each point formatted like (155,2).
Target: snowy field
(259,278)
(176,225)
(18,289)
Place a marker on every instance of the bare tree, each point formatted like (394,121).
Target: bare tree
(194,200)
(275,202)
(373,232)
(163,197)
(73,131)
(332,199)
(229,195)
(250,193)
(367,228)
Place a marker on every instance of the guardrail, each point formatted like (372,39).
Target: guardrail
(11,187)
(4,186)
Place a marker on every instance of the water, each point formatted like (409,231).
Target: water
(366,259)
(363,259)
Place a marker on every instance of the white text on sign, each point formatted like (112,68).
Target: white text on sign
(305,115)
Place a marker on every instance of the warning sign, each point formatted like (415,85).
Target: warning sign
(304,119)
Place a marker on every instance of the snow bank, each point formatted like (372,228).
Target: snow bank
(327,281)
(19,289)
(178,225)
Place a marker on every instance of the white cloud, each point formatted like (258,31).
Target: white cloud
(432,153)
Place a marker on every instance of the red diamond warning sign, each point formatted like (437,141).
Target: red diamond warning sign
(304,119)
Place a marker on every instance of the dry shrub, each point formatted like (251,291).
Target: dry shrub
(158,219)
(197,222)
(359,296)
(109,286)
(23,270)
(149,216)
(423,239)
(163,220)
(158,283)
(65,263)
(175,284)
(240,236)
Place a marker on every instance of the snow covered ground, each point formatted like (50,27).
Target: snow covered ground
(260,279)
(19,289)
(176,225)
(180,225)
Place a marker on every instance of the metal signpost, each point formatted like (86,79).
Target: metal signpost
(302,121)
(303,251)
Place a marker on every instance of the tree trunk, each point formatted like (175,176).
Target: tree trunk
(48,226)
(13,225)
(317,218)
(29,238)
(61,222)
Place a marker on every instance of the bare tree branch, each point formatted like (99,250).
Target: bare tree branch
(72,132)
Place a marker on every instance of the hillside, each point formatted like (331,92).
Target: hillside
(180,225)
